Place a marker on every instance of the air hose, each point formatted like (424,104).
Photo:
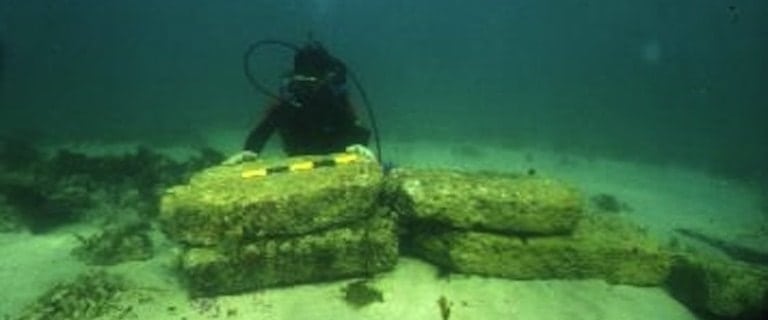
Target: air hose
(263,89)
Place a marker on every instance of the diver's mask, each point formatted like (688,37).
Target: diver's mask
(300,89)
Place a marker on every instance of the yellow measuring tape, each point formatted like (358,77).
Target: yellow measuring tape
(344,158)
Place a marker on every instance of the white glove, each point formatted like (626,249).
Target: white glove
(362,151)
(240,157)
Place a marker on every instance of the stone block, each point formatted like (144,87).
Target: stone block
(222,204)
(600,247)
(720,288)
(519,204)
(360,249)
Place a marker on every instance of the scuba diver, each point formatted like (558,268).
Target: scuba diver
(312,112)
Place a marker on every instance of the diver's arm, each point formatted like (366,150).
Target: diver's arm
(351,111)
(260,134)
(357,133)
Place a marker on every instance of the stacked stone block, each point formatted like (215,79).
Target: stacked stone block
(242,232)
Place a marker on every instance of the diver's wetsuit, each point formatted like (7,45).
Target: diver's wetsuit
(315,115)
(310,129)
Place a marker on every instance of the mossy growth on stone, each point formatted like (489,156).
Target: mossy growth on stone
(359,250)
(116,245)
(361,293)
(496,202)
(91,295)
(718,288)
(602,247)
(220,204)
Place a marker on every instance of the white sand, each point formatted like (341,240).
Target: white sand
(662,198)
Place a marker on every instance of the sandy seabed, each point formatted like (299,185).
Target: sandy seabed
(660,198)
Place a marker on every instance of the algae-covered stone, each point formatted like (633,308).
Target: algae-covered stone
(488,201)
(719,288)
(360,249)
(219,204)
(599,248)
